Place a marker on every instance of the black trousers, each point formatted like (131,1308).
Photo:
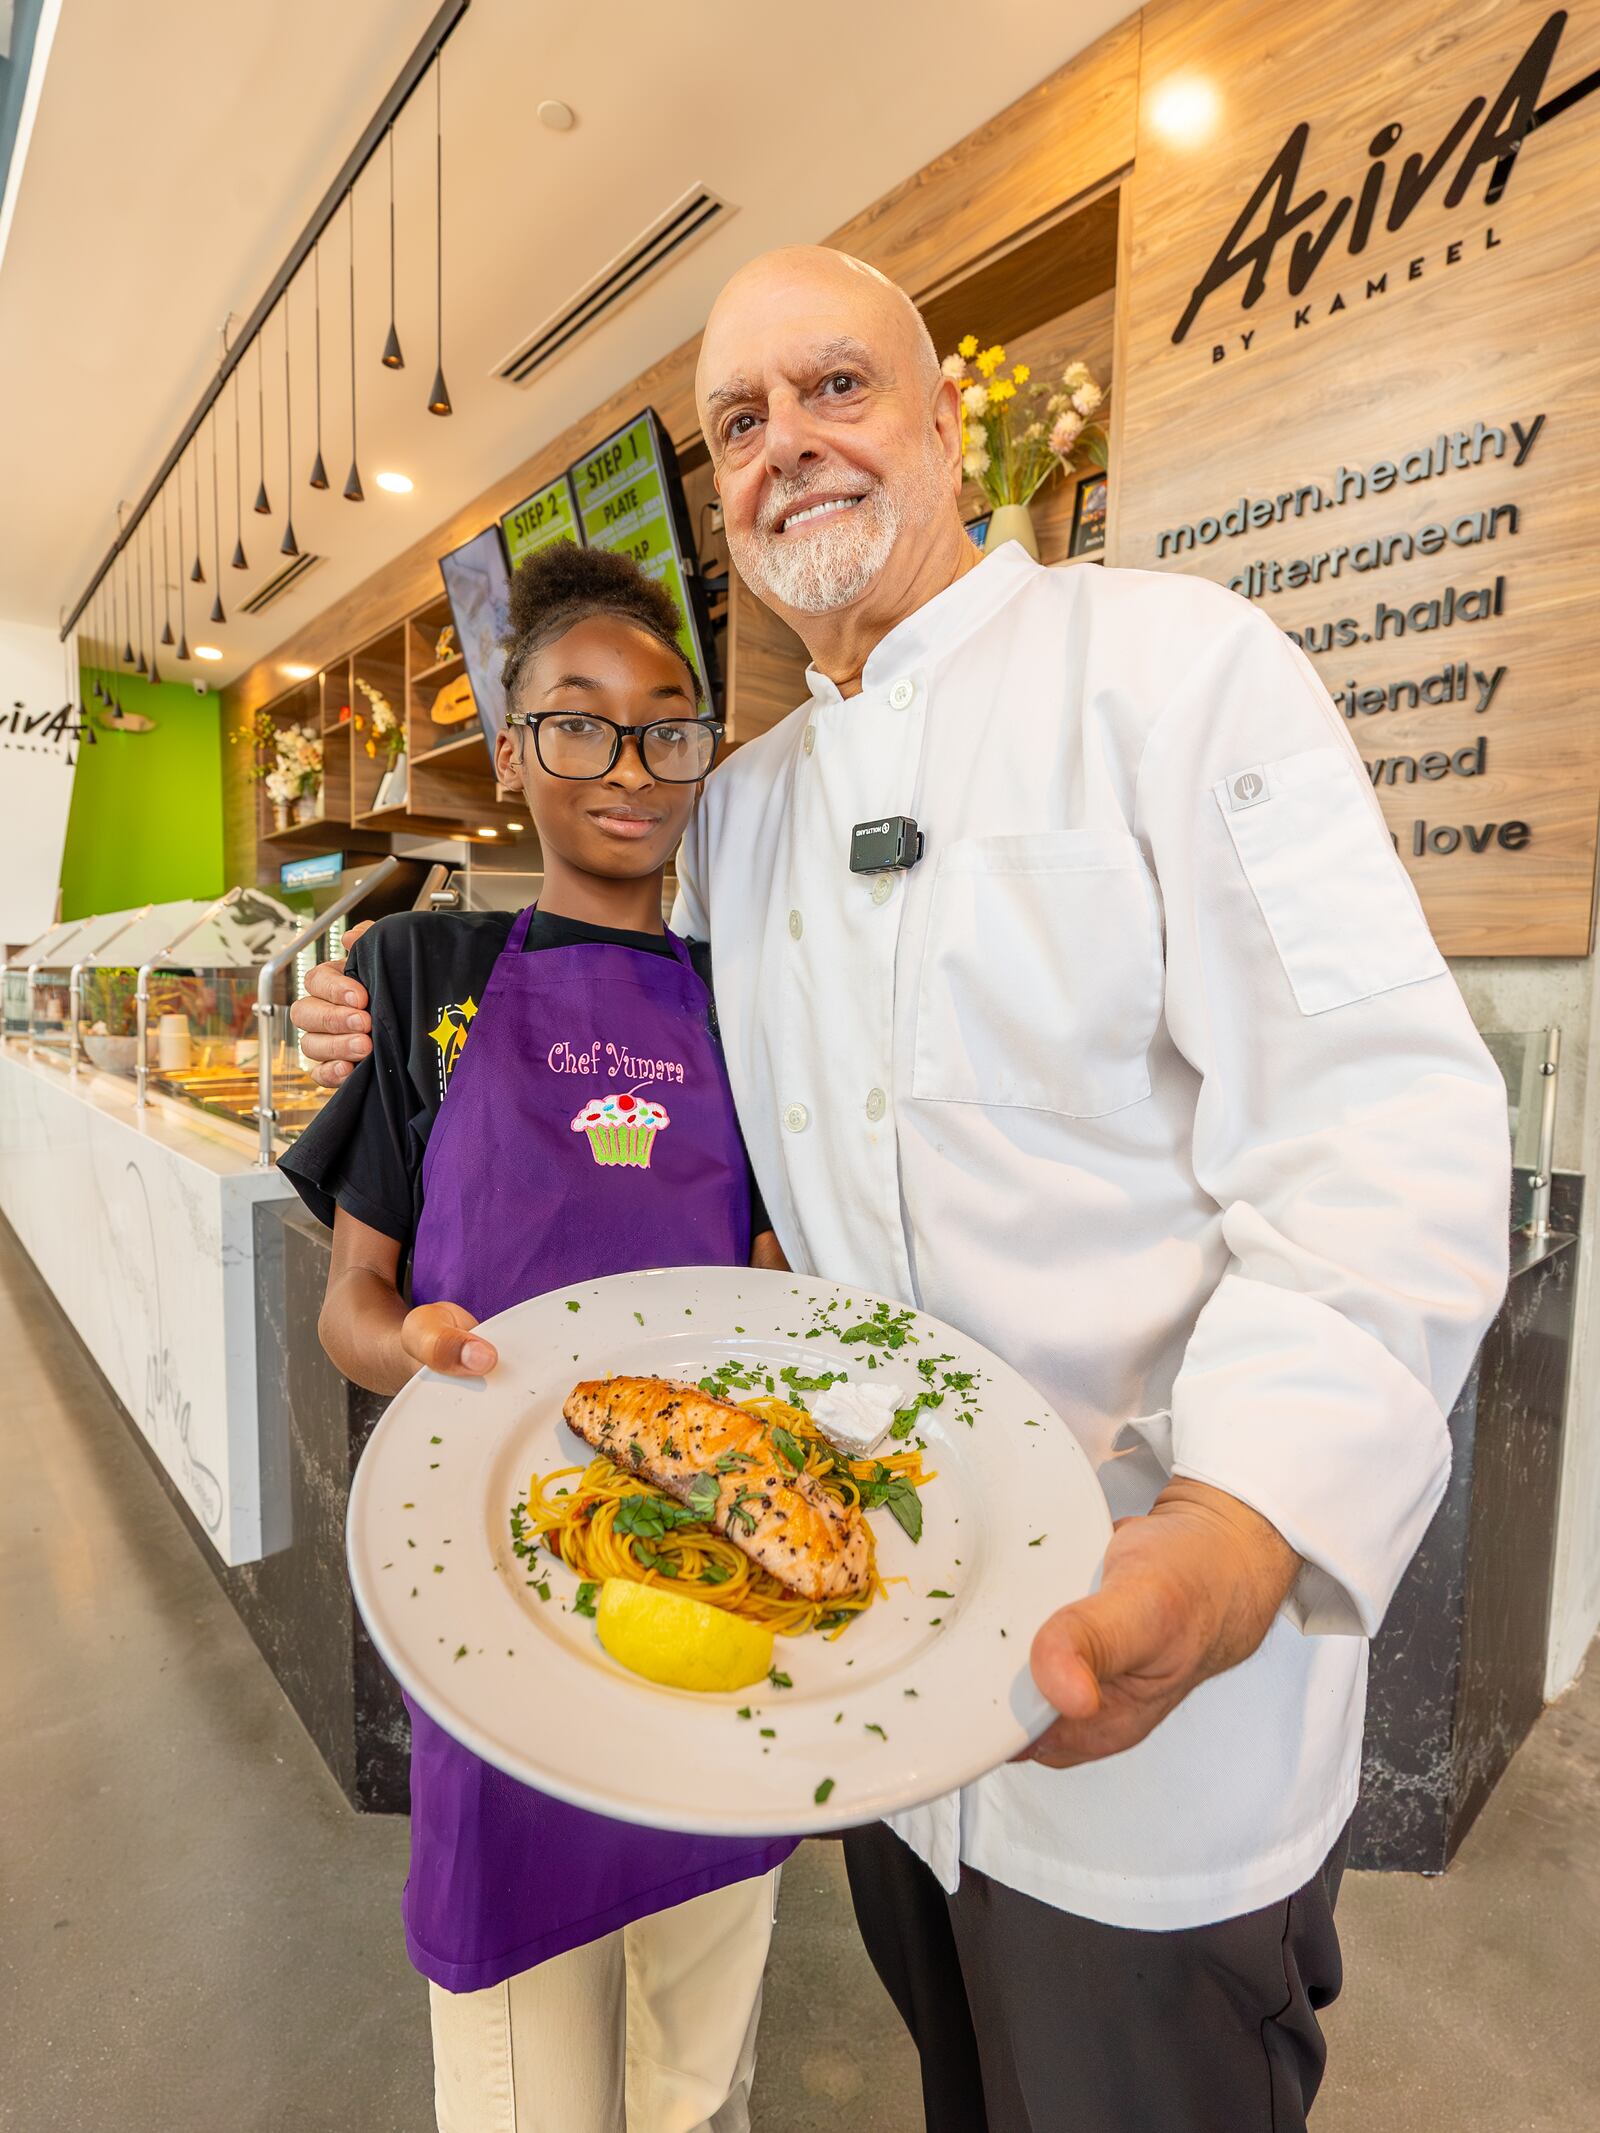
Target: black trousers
(1029,2020)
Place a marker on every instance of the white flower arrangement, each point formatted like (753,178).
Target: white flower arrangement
(388,728)
(296,763)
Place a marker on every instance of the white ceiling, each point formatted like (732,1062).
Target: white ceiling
(179,150)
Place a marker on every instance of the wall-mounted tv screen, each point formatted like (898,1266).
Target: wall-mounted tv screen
(630,498)
(479,586)
(548,515)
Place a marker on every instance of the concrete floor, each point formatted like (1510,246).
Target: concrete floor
(197,1936)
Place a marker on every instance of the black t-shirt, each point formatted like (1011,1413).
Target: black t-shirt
(424,973)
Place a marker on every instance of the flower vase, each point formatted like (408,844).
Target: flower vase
(280,814)
(305,807)
(1012,522)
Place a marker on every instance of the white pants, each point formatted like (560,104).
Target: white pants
(650,2030)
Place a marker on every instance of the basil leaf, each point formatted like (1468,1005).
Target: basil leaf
(703,1496)
(789,1446)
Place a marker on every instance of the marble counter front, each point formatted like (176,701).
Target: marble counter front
(140,1223)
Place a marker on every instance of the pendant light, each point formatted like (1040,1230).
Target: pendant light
(197,575)
(439,398)
(261,503)
(319,473)
(97,622)
(150,553)
(166,572)
(353,491)
(288,545)
(240,562)
(139,596)
(392,358)
(127,607)
(217,612)
(182,652)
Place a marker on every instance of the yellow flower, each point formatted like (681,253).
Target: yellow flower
(1002,389)
(967,346)
(372,747)
(1021,374)
(990,360)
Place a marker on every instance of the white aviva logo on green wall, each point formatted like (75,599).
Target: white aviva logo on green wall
(39,740)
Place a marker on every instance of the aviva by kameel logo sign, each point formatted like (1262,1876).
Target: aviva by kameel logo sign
(1480,143)
(51,732)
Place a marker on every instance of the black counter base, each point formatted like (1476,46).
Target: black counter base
(1457,1674)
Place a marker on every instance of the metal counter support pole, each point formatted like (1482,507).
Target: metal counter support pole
(267,1007)
(141,994)
(75,984)
(1539,1205)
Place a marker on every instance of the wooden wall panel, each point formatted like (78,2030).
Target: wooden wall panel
(1486,313)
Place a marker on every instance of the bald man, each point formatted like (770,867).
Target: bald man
(1149,1075)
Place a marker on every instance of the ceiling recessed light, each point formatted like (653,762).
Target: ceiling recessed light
(295,673)
(396,484)
(488,833)
(559,117)
(206,651)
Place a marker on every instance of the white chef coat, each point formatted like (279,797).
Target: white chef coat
(1150,1077)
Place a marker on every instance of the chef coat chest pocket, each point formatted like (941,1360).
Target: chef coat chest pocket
(1041,980)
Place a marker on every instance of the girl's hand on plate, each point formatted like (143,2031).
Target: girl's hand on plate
(442,1337)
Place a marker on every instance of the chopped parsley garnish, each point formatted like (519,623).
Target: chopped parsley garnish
(571,1306)
(583,1602)
(779,1681)
(769,1732)
(639,1315)
(703,1496)
(461,1651)
(715,1574)
(1035,1543)
(938,1593)
(739,1515)
(822,1791)
(543,1588)
(743,1711)
(436,1440)
(876,1729)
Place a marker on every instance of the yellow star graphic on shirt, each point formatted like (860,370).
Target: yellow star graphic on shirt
(450,1033)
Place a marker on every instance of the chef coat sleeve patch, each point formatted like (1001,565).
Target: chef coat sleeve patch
(1322,868)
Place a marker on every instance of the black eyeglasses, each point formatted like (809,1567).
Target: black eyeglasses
(580,745)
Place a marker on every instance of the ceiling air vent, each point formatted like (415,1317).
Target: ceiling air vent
(275,588)
(685,224)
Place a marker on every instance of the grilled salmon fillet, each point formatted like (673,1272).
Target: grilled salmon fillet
(673,1434)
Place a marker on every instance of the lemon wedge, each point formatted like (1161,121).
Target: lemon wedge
(681,1643)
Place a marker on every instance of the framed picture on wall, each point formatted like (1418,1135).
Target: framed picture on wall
(1089,514)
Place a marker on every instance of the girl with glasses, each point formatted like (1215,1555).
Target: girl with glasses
(584,1975)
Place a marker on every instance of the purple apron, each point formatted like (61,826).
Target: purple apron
(531,1180)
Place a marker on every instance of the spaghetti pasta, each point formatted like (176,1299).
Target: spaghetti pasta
(574,1513)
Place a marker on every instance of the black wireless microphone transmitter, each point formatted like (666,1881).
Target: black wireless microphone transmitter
(877,847)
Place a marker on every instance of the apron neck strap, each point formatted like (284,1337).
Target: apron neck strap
(524,919)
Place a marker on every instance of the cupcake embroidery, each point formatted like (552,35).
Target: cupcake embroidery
(622,1129)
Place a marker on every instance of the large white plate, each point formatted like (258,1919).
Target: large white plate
(920,1695)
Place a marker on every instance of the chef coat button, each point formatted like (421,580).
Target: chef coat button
(811,738)
(797,925)
(901,694)
(882,888)
(797,1118)
(877,1104)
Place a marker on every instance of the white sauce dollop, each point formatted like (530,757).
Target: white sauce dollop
(857,1417)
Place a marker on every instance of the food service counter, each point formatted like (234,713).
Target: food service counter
(140,1222)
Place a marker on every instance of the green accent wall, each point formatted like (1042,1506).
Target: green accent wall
(146,818)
